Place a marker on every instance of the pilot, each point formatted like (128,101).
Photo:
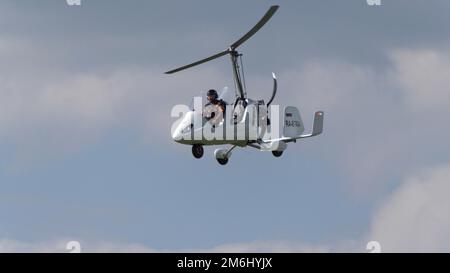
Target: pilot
(215,102)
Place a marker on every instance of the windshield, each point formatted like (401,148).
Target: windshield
(227,95)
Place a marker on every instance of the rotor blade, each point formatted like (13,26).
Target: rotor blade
(255,29)
(225,52)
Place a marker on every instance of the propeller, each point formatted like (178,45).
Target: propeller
(235,45)
(218,55)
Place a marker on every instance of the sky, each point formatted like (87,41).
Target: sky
(85,145)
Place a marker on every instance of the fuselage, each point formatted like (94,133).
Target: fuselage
(193,128)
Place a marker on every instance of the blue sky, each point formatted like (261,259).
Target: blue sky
(85,147)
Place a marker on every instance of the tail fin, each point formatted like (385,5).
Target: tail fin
(293,125)
(318,123)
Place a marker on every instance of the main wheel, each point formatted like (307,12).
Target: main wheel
(222,161)
(197,150)
(277,153)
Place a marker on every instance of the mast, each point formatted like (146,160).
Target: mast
(234,60)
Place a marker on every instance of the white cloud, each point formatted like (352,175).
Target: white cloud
(45,115)
(424,76)
(55,111)
(371,130)
(48,114)
(61,246)
(359,111)
(379,123)
(416,217)
(332,85)
(268,246)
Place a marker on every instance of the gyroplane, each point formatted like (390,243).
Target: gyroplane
(238,120)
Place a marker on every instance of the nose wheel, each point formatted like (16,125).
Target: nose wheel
(277,153)
(222,155)
(197,150)
(222,161)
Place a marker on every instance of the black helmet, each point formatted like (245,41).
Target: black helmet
(212,93)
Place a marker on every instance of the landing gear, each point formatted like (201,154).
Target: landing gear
(222,161)
(222,155)
(277,153)
(197,150)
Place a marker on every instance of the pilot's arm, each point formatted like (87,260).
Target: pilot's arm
(221,104)
(208,111)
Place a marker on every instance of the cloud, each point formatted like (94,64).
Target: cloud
(267,246)
(376,119)
(46,115)
(50,114)
(416,217)
(62,246)
(359,110)
(58,95)
(423,76)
